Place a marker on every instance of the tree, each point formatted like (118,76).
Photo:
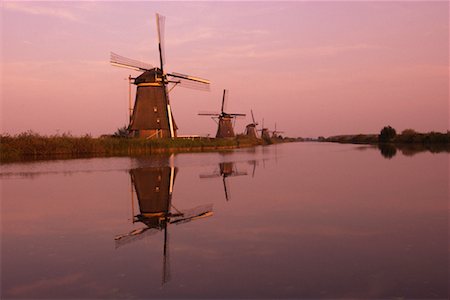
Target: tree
(387,134)
(121,132)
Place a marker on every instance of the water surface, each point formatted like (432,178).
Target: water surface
(301,220)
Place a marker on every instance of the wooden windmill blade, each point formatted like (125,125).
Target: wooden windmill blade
(125,62)
(225,189)
(208,114)
(189,77)
(224,101)
(192,214)
(160,26)
(194,85)
(135,235)
(253,118)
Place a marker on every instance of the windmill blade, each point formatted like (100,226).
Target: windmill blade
(206,113)
(236,173)
(224,100)
(225,188)
(160,24)
(166,259)
(253,117)
(125,62)
(191,84)
(195,213)
(237,115)
(189,77)
(134,235)
(209,175)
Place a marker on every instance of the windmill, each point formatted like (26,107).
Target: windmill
(225,126)
(250,129)
(275,133)
(265,135)
(154,187)
(152,114)
(226,169)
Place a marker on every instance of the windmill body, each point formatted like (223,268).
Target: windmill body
(225,127)
(250,129)
(265,134)
(152,114)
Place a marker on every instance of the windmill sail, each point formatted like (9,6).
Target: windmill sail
(122,61)
(160,26)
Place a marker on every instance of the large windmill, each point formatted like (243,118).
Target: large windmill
(154,187)
(250,129)
(225,124)
(152,115)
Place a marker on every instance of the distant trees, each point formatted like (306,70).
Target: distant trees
(387,134)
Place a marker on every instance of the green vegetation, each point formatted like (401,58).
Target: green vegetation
(389,135)
(31,145)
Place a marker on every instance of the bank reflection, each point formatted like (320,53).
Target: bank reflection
(153,187)
(225,170)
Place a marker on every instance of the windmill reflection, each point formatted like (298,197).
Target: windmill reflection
(154,188)
(226,169)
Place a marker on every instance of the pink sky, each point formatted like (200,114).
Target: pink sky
(314,68)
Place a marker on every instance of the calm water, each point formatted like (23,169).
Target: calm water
(301,220)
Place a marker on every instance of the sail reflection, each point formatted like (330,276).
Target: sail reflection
(154,188)
(225,170)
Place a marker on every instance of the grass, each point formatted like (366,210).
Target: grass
(30,145)
(406,137)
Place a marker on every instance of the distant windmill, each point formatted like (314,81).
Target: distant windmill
(154,187)
(225,126)
(275,133)
(226,169)
(250,129)
(152,115)
(265,135)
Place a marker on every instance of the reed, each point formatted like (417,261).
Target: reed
(30,145)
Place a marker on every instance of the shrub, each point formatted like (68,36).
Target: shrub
(387,134)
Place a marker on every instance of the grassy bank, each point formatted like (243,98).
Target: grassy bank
(406,137)
(28,146)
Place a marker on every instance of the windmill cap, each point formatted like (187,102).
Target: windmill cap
(148,76)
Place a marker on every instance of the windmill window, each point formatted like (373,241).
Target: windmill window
(157,189)
(155,109)
(157,120)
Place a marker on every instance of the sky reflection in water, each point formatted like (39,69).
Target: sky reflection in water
(301,220)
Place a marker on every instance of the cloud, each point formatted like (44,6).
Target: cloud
(41,10)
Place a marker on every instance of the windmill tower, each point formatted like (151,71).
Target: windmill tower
(265,135)
(250,129)
(152,114)
(154,187)
(225,124)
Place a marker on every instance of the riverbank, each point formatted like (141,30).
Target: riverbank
(406,137)
(32,146)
